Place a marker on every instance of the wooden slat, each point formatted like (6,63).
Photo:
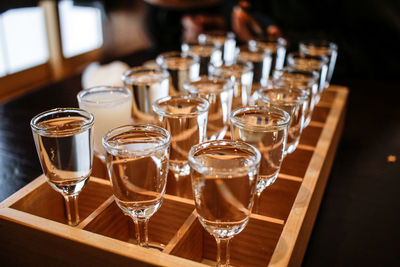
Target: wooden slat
(291,246)
(66,245)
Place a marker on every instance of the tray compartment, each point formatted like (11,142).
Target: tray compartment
(296,164)
(45,202)
(252,247)
(310,136)
(277,200)
(162,225)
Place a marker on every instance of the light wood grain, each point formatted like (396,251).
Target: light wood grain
(295,235)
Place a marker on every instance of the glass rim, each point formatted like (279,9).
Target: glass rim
(313,74)
(224,67)
(253,49)
(303,98)
(53,112)
(204,106)
(104,88)
(319,43)
(127,79)
(228,84)
(323,60)
(141,127)
(195,164)
(280,41)
(161,58)
(282,124)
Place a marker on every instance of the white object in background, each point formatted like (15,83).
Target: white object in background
(103,75)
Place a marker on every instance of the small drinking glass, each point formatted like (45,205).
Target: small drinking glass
(218,91)
(299,79)
(110,106)
(63,139)
(137,164)
(310,63)
(185,118)
(321,48)
(224,178)
(147,85)
(266,129)
(207,52)
(261,59)
(294,102)
(221,38)
(241,74)
(181,67)
(277,47)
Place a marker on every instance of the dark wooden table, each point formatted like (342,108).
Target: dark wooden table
(358,220)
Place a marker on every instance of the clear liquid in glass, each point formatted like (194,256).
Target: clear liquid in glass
(138,179)
(223,200)
(258,128)
(220,101)
(186,123)
(66,157)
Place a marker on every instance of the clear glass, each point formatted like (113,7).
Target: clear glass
(299,79)
(219,92)
(241,74)
(310,63)
(221,38)
(137,164)
(181,67)
(266,129)
(147,85)
(185,118)
(224,178)
(110,106)
(23,39)
(81,28)
(207,52)
(321,48)
(277,47)
(63,139)
(294,102)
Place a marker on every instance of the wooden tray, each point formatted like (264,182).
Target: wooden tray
(33,228)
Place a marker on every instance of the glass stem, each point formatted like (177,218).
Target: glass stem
(141,232)
(223,251)
(71,209)
(257,202)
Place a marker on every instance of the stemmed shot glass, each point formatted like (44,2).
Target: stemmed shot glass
(241,75)
(181,67)
(208,53)
(224,178)
(266,129)
(302,80)
(277,47)
(321,48)
(137,164)
(294,102)
(147,85)
(185,118)
(223,39)
(261,59)
(219,92)
(63,139)
(310,63)
(110,106)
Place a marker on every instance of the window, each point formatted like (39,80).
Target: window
(80,28)
(23,40)
(47,42)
